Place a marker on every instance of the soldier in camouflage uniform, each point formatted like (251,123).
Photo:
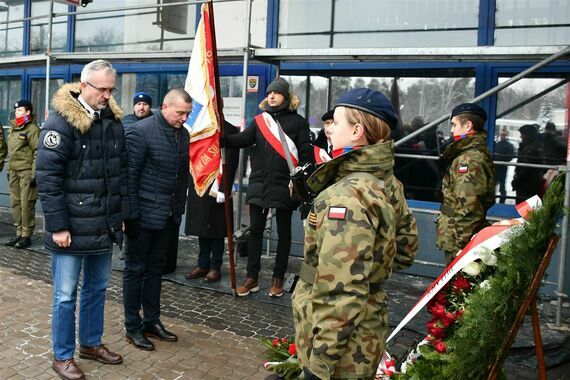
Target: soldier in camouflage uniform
(22,147)
(469,183)
(359,230)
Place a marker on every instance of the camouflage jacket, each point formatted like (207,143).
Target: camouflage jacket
(23,146)
(468,192)
(359,230)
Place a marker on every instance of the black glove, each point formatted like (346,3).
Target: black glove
(309,375)
(132,228)
(33,182)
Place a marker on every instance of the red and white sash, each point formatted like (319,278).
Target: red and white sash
(270,130)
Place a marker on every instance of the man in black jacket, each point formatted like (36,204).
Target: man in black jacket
(81,175)
(269,179)
(142,102)
(158,180)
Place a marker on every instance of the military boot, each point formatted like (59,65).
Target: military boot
(12,242)
(24,242)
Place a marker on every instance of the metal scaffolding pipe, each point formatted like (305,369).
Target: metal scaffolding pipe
(241,162)
(560,295)
(488,93)
(48,59)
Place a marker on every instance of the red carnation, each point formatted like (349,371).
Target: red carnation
(275,342)
(441,298)
(438,311)
(434,329)
(293,349)
(460,284)
(439,346)
(448,319)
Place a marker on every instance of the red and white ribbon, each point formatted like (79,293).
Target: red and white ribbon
(488,239)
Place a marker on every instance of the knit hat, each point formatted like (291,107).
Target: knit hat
(279,85)
(470,108)
(370,101)
(24,103)
(142,97)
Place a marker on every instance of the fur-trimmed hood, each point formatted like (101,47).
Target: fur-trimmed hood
(66,104)
(293,103)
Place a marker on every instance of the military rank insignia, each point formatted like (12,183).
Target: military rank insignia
(312,219)
(462,169)
(337,213)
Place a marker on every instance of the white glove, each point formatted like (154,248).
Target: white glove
(220,197)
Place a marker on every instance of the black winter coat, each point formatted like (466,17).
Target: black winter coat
(158,171)
(131,119)
(527,181)
(208,217)
(81,173)
(269,179)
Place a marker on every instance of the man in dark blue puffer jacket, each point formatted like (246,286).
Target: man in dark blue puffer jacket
(81,174)
(158,181)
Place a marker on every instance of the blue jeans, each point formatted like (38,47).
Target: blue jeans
(65,271)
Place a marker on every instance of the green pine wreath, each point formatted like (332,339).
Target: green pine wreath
(490,311)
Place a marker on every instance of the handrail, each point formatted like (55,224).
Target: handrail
(494,90)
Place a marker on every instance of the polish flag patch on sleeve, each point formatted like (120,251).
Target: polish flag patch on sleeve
(337,213)
(462,169)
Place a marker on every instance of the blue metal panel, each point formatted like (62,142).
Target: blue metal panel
(198,14)
(27,24)
(486,29)
(70,44)
(272,31)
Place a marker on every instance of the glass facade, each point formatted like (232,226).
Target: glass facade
(169,28)
(38,97)
(40,27)
(531,23)
(365,23)
(10,93)
(530,105)
(11,33)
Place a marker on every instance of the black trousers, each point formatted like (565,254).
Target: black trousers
(258,217)
(145,259)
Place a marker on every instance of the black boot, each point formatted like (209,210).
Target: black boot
(24,242)
(12,242)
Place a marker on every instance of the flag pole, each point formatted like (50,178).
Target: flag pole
(227,186)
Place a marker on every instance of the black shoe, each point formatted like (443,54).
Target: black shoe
(12,242)
(24,242)
(139,341)
(158,331)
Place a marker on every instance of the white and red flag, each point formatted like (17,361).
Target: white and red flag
(204,120)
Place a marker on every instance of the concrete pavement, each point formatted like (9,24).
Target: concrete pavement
(218,334)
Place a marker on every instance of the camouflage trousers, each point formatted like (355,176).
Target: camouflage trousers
(23,198)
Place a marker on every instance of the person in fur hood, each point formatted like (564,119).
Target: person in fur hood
(269,179)
(81,175)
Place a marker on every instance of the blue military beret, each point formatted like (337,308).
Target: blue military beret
(23,103)
(142,97)
(470,108)
(372,102)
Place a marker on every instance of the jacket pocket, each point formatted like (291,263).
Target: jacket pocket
(81,200)
(147,195)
